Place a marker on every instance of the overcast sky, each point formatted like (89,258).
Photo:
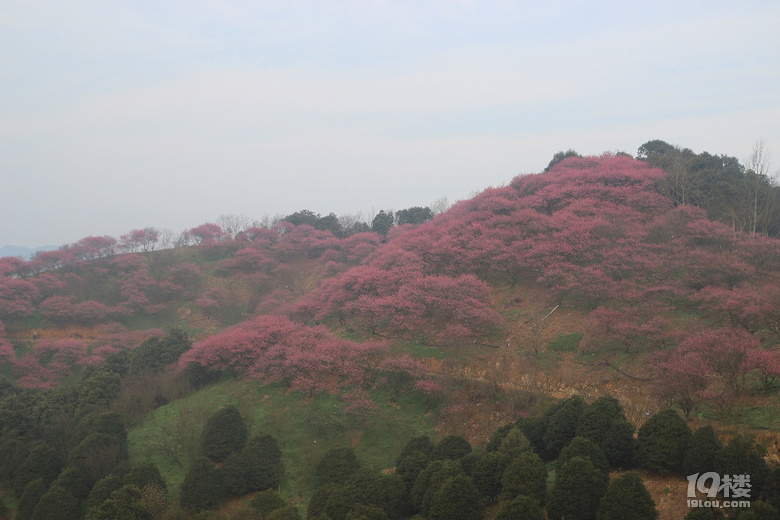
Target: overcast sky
(117,115)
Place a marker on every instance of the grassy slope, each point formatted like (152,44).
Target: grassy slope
(305,429)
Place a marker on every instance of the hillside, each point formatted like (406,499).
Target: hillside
(586,279)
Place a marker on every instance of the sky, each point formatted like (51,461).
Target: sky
(121,115)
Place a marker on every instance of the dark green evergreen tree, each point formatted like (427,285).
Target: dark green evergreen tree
(225,433)
(102,490)
(76,480)
(451,447)
(366,512)
(336,466)
(627,498)
(597,418)
(382,222)
(29,499)
(155,353)
(743,456)
(456,499)
(534,428)
(263,462)
(109,423)
(266,502)
(13,453)
(43,463)
(202,487)
(99,453)
(662,441)
(525,475)
(430,480)
(342,499)
(388,493)
(578,489)
(318,500)
(99,386)
(488,472)
(57,504)
(560,156)
(422,444)
(582,447)
(124,504)
(515,443)
(700,453)
(521,508)
(144,474)
(619,444)
(410,466)
(562,424)
(495,439)
(416,215)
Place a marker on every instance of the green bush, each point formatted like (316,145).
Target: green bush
(662,441)
(700,453)
(582,447)
(76,480)
(125,503)
(144,474)
(366,512)
(102,490)
(597,418)
(29,499)
(456,499)
(578,489)
(522,507)
(619,444)
(43,463)
(451,447)
(336,466)
(225,433)
(263,462)
(526,475)
(266,502)
(422,444)
(202,487)
(488,472)
(57,504)
(410,466)
(627,498)
(562,424)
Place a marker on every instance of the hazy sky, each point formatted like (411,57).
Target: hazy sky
(116,115)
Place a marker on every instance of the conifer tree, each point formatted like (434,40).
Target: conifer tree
(202,487)
(522,507)
(451,447)
(582,447)
(703,446)
(562,424)
(662,441)
(627,498)
(57,504)
(456,499)
(578,489)
(225,433)
(526,475)
(336,466)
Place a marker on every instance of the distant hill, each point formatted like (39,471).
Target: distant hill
(24,252)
